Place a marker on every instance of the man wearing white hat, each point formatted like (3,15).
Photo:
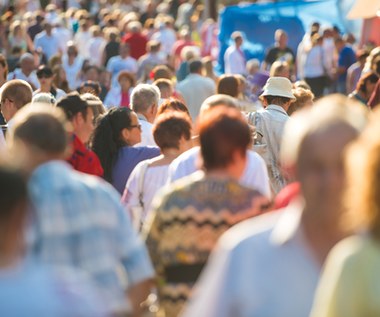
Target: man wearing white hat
(269,123)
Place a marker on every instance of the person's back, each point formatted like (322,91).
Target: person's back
(27,287)
(32,289)
(195,82)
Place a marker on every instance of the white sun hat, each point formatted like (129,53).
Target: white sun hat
(278,86)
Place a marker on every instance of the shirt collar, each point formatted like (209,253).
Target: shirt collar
(288,226)
(277,108)
(141,117)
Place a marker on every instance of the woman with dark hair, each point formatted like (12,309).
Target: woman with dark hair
(172,133)
(3,70)
(45,77)
(190,216)
(365,87)
(113,139)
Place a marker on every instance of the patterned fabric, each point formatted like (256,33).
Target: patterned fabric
(80,223)
(84,160)
(184,227)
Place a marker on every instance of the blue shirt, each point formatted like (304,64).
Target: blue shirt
(28,289)
(127,160)
(80,223)
(347,57)
(48,44)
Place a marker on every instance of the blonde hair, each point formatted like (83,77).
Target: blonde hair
(328,111)
(362,199)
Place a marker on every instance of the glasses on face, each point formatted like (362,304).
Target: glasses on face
(138,126)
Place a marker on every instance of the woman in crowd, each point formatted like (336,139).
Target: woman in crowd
(45,78)
(304,98)
(114,136)
(365,87)
(189,217)
(18,37)
(172,133)
(120,96)
(350,283)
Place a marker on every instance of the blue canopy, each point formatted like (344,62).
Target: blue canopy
(259,21)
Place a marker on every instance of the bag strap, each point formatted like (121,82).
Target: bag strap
(140,183)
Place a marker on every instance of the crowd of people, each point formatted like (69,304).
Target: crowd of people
(135,180)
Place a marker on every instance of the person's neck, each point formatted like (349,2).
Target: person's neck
(223,173)
(45,88)
(26,73)
(9,261)
(321,234)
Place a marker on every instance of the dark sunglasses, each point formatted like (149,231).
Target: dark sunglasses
(44,75)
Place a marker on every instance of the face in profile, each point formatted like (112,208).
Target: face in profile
(320,169)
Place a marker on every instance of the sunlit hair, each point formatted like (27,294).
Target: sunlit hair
(169,128)
(222,131)
(303,96)
(44,128)
(171,105)
(327,112)
(362,197)
(228,85)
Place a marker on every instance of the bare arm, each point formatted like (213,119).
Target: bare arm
(138,294)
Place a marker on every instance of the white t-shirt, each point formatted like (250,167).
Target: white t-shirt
(255,174)
(154,179)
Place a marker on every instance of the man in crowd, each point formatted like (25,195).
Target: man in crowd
(196,88)
(27,71)
(15,94)
(280,52)
(346,57)
(47,42)
(122,62)
(144,101)
(269,124)
(81,115)
(43,291)
(270,266)
(255,174)
(78,220)
(234,58)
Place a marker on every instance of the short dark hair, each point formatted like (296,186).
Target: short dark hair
(73,104)
(169,128)
(368,77)
(276,100)
(228,85)
(222,130)
(195,65)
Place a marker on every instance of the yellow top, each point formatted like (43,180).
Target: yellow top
(350,282)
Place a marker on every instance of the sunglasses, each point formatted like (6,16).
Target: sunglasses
(44,75)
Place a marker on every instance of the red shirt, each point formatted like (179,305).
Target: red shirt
(84,160)
(124,99)
(137,43)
